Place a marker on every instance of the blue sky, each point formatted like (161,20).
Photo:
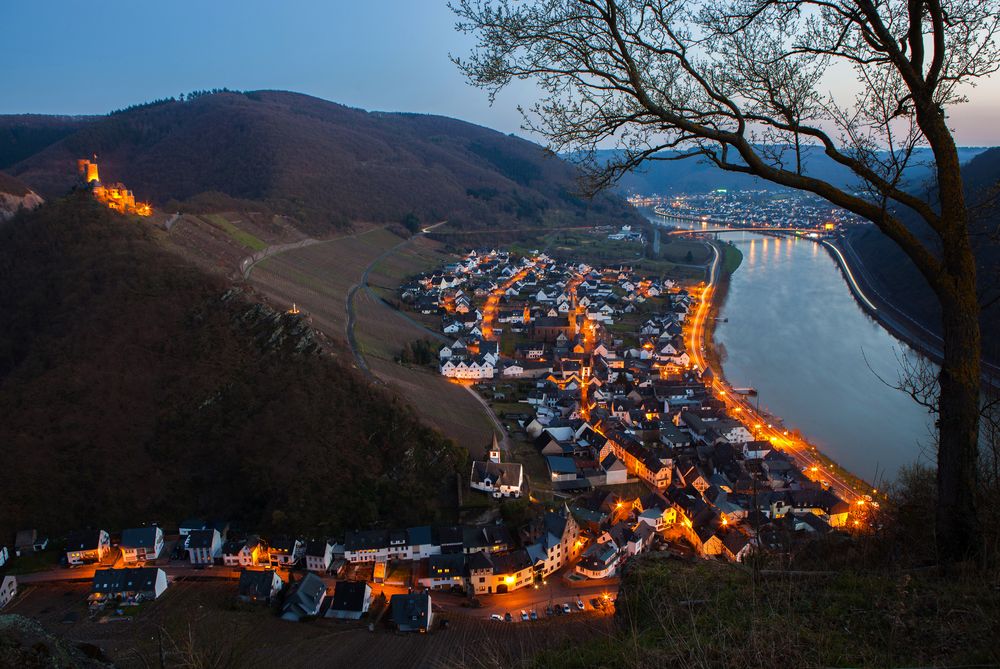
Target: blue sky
(91,57)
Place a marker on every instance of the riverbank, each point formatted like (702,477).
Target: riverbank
(891,318)
(817,465)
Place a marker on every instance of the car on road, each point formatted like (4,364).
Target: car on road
(507,618)
(579,604)
(496,617)
(534,614)
(524,616)
(566,608)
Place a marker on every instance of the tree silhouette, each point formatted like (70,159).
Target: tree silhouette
(742,84)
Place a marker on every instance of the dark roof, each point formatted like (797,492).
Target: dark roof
(256,584)
(366,540)
(84,540)
(349,596)
(113,581)
(409,612)
(201,538)
(139,537)
(447,565)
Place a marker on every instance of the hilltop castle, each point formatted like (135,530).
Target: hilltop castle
(116,196)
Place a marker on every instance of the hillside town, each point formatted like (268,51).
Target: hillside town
(640,452)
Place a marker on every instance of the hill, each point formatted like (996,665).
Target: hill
(24,135)
(319,162)
(699,176)
(134,387)
(899,281)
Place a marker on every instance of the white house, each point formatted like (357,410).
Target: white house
(87,546)
(249,553)
(133,585)
(141,544)
(500,479)
(319,556)
(204,546)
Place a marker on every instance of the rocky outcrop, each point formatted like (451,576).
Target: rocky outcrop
(15,196)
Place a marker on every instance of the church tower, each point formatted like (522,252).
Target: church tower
(495,450)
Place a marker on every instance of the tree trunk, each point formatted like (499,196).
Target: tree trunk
(958,532)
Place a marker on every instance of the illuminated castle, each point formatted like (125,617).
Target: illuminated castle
(116,196)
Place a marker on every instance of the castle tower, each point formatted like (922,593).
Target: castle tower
(88,170)
(495,450)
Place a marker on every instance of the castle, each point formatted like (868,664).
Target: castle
(116,196)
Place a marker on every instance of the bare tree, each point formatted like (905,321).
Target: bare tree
(742,84)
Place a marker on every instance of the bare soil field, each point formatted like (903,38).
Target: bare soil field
(200,621)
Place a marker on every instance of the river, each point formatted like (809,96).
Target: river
(795,333)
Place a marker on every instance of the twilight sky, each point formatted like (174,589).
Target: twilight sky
(63,57)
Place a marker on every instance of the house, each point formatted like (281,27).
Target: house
(319,556)
(8,590)
(561,468)
(132,585)
(250,552)
(305,599)
(141,544)
(600,559)
(614,469)
(412,612)
(500,479)
(204,546)
(285,551)
(29,541)
(366,546)
(86,546)
(351,600)
(445,571)
(259,585)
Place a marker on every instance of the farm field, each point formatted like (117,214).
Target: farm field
(196,621)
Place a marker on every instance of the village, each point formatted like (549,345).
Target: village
(631,446)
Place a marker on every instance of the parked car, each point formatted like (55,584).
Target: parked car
(597,603)
(579,604)
(548,611)
(524,616)
(534,614)
(496,617)
(566,608)
(559,610)
(507,618)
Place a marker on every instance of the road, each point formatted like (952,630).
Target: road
(802,453)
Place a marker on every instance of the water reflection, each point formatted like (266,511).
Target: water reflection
(795,333)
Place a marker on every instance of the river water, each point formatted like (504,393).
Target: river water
(795,333)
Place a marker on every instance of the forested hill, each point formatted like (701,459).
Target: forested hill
(693,175)
(899,281)
(320,163)
(135,388)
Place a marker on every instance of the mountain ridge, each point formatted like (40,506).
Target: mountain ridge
(321,163)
